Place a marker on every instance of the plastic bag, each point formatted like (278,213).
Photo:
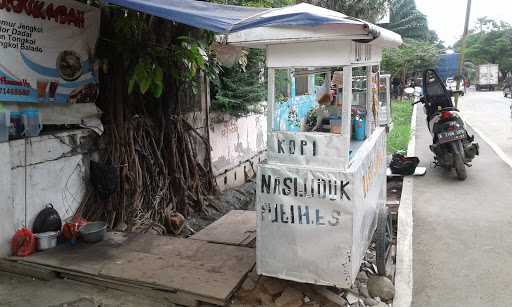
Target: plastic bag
(403,165)
(104,179)
(23,243)
(71,229)
(46,220)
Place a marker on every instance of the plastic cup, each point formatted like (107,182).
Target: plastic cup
(52,90)
(41,89)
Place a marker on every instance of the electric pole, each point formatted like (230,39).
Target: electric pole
(462,47)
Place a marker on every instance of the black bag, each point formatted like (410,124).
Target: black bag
(402,165)
(104,179)
(46,220)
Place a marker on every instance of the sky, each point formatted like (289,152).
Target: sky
(446,17)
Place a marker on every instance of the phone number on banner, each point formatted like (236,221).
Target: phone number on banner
(14,91)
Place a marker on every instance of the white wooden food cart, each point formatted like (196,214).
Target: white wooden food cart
(319,194)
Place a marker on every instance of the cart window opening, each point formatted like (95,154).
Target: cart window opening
(308,100)
(294,98)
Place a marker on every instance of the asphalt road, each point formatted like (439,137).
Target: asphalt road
(489,112)
(462,237)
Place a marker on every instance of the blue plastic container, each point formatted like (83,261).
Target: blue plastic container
(359,128)
(17,129)
(5,123)
(33,125)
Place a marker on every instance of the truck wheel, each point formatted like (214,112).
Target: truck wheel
(383,238)
(458,160)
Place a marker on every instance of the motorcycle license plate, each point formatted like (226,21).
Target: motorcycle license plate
(450,136)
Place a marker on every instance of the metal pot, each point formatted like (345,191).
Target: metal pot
(46,240)
(93,232)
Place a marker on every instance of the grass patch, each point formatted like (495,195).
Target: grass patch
(398,138)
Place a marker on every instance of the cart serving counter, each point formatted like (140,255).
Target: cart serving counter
(320,192)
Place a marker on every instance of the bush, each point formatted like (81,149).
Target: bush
(398,138)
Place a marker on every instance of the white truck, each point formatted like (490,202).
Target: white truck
(487,77)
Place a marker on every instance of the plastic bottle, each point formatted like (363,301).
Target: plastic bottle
(33,125)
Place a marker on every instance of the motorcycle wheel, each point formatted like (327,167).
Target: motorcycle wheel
(460,167)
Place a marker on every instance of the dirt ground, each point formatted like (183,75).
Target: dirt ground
(240,198)
(21,291)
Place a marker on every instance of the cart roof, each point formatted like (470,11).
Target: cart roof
(258,27)
(307,23)
(214,17)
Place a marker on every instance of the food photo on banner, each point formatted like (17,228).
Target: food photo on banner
(48,51)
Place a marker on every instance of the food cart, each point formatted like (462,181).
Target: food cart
(324,183)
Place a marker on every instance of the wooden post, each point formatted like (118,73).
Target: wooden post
(346,115)
(370,120)
(205,97)
(270,99)
(462,47)
(311,83)
(388,100)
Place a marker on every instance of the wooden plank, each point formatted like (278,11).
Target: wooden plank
(238,227)
(88,259)
(66,271)
(205,271)
(212,271)
(177,297)
(49,273)
(26,270)
(169,297)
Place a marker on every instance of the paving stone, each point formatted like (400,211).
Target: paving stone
(380,286)
(330,296)
(363,290)
(370,301)
(248,285)
(362,277)
(273,286)
(290,298)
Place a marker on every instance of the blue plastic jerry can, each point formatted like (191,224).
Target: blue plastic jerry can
(359,125)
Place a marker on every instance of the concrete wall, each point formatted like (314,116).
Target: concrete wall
(6,205)
(238,145)
(57,167)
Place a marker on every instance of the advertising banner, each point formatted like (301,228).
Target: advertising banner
(47,51)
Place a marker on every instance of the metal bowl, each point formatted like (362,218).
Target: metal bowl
(93,232)
(46,240)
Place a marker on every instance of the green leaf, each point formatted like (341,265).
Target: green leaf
(158,76)
(131,84)
(144,85)
(140,72)
(157,89)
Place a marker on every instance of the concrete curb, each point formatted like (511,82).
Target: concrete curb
(404,274)
(501,154)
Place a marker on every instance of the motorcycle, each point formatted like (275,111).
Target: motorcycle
(452,145)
